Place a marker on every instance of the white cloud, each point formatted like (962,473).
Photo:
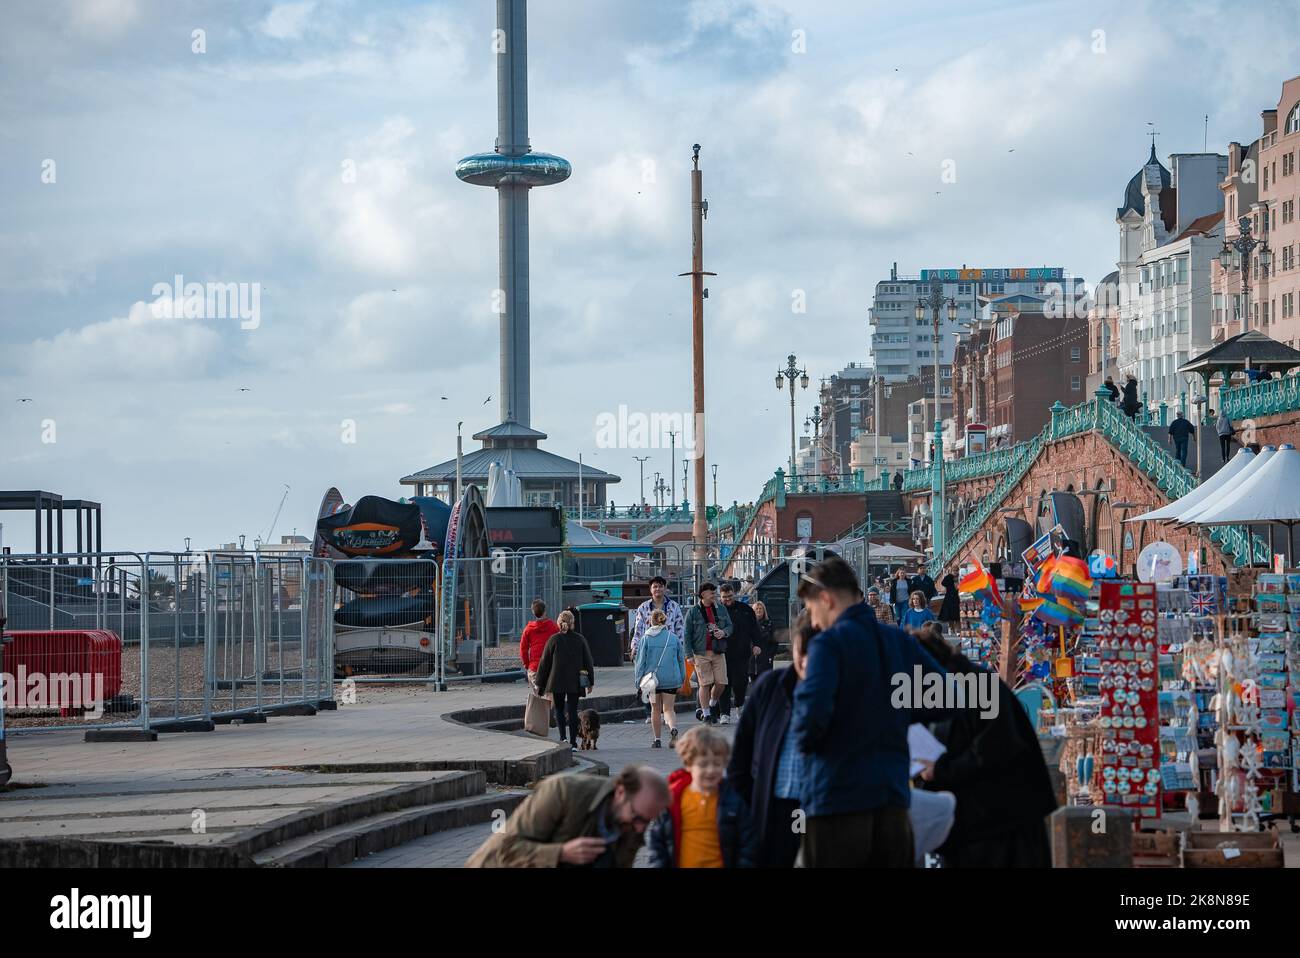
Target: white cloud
(286,20)
(140,346)
(104,18)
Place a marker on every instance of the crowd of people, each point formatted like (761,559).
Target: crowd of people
(821,771)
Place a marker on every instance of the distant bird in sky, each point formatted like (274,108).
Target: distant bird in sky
(444,397)
(24,400)
(488,400)
(245,389)
(1012,150)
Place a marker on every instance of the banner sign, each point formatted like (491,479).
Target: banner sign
(993,275)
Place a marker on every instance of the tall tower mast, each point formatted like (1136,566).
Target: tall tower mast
(513,169)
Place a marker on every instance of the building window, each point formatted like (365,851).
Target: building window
(1074,354)
(1075,384)
(1293,120)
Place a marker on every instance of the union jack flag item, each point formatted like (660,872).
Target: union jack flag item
(1203,603)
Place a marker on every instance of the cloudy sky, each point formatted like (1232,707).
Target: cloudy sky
(308,148)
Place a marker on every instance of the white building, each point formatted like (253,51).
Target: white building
(1171,229)
(903,345)
(893,453)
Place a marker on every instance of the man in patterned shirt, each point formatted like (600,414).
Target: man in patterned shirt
(659,601)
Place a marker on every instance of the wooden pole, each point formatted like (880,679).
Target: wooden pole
(699,528)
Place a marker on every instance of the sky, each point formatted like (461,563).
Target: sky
(305,151)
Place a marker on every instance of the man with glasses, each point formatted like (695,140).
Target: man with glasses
(578,821)
(852,728)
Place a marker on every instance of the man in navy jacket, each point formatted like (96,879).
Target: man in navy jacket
(855,790)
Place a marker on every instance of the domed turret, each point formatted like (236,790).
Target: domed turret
(1133,198)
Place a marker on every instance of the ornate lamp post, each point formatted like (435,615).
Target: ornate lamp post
(815,421)
(791,373)
(936,301)
(1235,255)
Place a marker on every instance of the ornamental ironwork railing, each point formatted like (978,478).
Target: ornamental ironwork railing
(1262,398)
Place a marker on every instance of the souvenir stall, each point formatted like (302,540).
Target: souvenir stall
(1219,663)
(981,612)
(1258,645)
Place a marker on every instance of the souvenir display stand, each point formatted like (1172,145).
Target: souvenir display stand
(1129,768)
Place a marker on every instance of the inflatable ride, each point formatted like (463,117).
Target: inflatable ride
(401,585)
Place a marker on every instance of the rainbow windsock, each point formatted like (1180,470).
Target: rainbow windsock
(1070,578)
(1044,583)
(1055,611)
(975,580)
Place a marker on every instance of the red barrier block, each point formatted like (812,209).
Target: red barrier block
(68,652)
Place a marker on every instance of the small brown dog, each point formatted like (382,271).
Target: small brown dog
(588,728)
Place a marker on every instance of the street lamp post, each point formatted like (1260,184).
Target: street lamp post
(791,372)
(1235,255)
(936,301)
(715,487)
(815,420)
(641,461)
(672,465)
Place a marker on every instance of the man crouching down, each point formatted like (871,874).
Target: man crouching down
(580,821)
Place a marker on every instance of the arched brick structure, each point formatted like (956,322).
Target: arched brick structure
(1084,462)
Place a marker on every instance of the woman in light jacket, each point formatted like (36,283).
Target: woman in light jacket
(661,652)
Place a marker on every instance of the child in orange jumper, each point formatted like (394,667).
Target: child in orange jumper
(707,822)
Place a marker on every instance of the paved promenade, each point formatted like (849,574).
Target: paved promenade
(620,745)
(388,723)
(64,786)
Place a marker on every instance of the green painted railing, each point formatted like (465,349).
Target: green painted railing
(879,527)
(1137,446)
(1263,398)
(1098,415)
(822,484)
(958,537)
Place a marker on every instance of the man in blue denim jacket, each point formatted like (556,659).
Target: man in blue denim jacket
(852,727)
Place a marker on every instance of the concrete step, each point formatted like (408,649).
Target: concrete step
(340,844)
(445,788)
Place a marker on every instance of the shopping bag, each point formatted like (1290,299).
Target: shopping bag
(687,687)
(537,714)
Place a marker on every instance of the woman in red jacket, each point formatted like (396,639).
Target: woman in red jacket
(533,640)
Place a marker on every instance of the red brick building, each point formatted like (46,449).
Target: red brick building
(1037,360)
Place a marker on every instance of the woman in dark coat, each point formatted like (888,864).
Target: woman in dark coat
(1130,403)
(756,755)
(762,662)
(995,768)
(559,675)
(950,610)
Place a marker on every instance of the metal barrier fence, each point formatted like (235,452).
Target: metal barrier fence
(386,615)
(399,620)
(146,639)
(489,607)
